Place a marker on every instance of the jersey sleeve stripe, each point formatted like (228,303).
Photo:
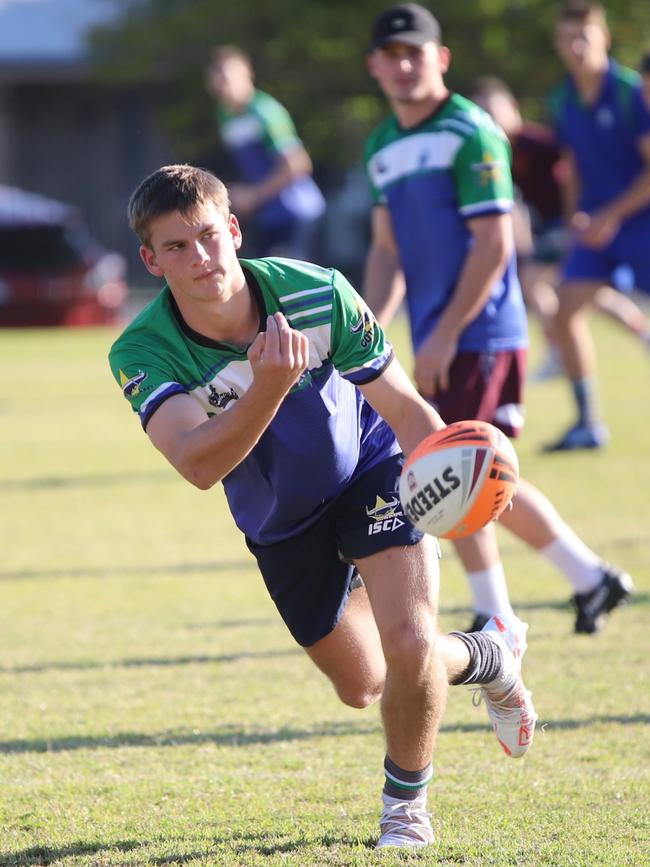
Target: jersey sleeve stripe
(157,397)
(370,372)
(312,301)
(311,311)
(494,206)
(304,292)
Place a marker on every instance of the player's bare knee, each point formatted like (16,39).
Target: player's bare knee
(359,696)
(409,645)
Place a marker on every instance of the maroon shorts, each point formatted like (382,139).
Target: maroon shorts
(487,386)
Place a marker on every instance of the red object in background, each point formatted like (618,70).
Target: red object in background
(52,272)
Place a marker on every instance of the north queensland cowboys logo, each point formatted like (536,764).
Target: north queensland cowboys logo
(365,324)
(385,517)
(131,386)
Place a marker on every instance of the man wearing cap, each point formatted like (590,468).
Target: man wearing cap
(439,171)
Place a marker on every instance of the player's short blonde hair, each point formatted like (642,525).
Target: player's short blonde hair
(174,188)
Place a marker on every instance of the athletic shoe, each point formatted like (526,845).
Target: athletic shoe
(479,622)
(592,608)
(509,704)
(581,436)
(405,823)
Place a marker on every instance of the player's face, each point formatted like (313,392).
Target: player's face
(196,253)
(231,82)
(503,109)
(582,45)
(410,73)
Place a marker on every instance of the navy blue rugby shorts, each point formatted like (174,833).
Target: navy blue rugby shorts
(309,575)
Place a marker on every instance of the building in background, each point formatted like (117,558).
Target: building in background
(64,134)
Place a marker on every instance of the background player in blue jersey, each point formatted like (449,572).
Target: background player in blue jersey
(277,191)
(603,125)
(541,234)
(442,235)
(272,376)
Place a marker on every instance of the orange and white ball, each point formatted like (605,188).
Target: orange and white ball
(459,479)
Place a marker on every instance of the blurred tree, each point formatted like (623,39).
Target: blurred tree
(310,55)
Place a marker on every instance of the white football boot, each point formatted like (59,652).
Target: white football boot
(509,704)
(405,823)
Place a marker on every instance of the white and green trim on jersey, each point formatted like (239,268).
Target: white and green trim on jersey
(324,431)
(433,178)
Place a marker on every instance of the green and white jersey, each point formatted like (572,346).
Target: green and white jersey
(452,167)
(323,436)
(254,138)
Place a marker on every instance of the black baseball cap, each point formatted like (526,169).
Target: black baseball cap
(409,23)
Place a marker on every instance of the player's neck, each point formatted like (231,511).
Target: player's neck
(235,320)
(589,82)
(411,113)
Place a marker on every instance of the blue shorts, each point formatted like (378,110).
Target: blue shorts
(585,263)
(309,575)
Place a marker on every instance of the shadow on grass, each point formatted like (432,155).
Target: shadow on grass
(541,605)
(43,855)
(244,844)
(232,736)
(240,843)
(146,662)
(88,480)
(129,571)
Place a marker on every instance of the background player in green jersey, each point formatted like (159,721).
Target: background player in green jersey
(273,376)
(276,195)
(442,237)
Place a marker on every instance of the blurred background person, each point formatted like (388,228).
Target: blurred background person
(540,175)
(439,173)
(644,68)
(277,197)
(603,126)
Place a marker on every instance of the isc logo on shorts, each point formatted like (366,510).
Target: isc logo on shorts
(386,517)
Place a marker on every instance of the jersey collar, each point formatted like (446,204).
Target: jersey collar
(201,339)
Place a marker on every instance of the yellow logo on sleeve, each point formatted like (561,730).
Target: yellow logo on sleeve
(131,385)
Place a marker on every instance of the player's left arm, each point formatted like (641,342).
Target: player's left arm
(484,264)
(291,165)
(605,223)
(483,181)
(292,161)
(394,397)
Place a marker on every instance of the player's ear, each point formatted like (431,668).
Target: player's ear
(371,63)
(235,231)
(445,58)
(149,258)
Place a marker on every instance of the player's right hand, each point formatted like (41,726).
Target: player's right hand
(278,356)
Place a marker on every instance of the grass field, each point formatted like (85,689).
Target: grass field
(154,711)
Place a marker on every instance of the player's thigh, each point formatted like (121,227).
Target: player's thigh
(577,295)
(403,586)
(583,272)
(351,654)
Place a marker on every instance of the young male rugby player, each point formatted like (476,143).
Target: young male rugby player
(272,376)
(439,171)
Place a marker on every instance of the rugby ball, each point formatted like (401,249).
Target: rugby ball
(459,479)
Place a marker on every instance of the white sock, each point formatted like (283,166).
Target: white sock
(490,591)
(580,565)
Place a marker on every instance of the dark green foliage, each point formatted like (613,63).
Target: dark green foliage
(310,55)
